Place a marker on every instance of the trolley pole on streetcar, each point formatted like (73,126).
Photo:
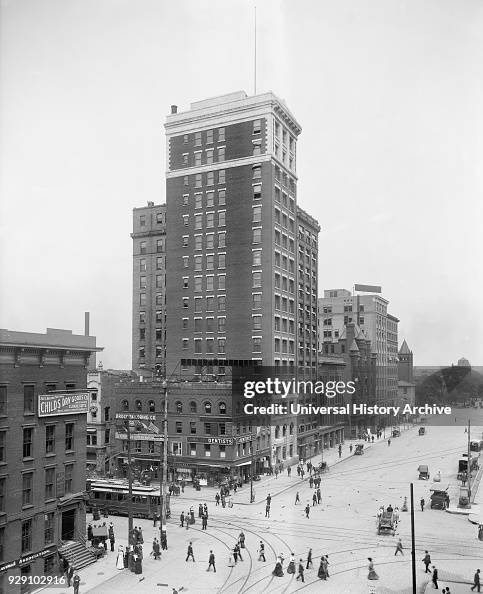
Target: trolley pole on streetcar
(163,485)
(413,542)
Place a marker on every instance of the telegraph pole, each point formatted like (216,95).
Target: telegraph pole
(129,479)
(469,462)
(413,542)
(164,485)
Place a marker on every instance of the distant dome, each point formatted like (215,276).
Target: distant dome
(463,362)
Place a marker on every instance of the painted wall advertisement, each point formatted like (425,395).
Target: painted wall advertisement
(63,403)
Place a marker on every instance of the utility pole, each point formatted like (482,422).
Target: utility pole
(251,471)
(469,462)
(164,485)
(129,479)
(413,542)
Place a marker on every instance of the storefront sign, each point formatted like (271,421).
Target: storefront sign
(135,416)
(244,438)
(60,483)
(63,403)
(50,550)
(140,436)
(220,440)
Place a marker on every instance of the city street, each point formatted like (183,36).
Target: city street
(343,526)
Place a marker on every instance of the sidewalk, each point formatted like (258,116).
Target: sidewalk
(278,485)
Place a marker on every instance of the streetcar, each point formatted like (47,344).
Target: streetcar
(111,496)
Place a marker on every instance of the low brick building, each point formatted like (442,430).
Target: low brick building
(42,448)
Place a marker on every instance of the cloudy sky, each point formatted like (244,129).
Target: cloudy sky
(389,96)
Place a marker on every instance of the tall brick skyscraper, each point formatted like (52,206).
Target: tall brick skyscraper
(233,285)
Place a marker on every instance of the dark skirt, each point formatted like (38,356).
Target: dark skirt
(278,571)
(322,573)
(138,566)
(291,567)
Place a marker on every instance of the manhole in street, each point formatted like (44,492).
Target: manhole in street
(100,573)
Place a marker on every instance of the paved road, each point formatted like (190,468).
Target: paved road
(344,527)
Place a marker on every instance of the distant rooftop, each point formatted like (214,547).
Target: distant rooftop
(53,337)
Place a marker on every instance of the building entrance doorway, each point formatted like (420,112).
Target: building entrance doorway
(68,524)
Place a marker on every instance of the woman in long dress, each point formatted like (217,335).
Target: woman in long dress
(120,557)
(291,565)
(372,574)
(278,571)
(322,573)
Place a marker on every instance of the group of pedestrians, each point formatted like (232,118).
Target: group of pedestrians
(322,573)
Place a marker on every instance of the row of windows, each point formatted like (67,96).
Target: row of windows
(210,344)
(28,397)
(208,325)
(159,352)
(209,241)
(209,136)
(28,486)
(160,318)
(206,406)
(284,325)
(198,260)
(159,216)
(159,281)
(283,199)
(209,303)
(284,304)
(283,219)
(160,334)
(284,346)
(209,157)
(209,222)
(160,265)
(26,531)
(284,262)
(284,241)
(208,177)
(160,298)
(160,247)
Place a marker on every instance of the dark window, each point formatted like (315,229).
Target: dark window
(2,542)
(106,413)
(26,536)
(179,407)
(3,400)
(208,428)
(152,406)
(192,427)
(222,408)
(27,442)
(3,482)
(68,478)
(28,399)
(69,436)
(139,405)
(3,456)
(125,405)
(208,408)
(49,528)
(27,481)
(179,427)
(49,564)
(49,483)
(49,439)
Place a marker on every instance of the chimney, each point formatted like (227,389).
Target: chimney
(174,109)
(86,323)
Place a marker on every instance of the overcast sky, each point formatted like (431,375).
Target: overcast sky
(389,95)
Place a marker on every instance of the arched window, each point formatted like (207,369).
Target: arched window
(222,408)
(208,408)
(139,405)
(179,407)
(193,407)
(291,429)
(125,405)
(152,406)
(284,430)
(277,432)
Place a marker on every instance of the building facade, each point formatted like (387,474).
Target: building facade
(239,247)
(43,405)
(340,307)
(149,288)
(206,440)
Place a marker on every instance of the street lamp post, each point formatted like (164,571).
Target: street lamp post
(251,471)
